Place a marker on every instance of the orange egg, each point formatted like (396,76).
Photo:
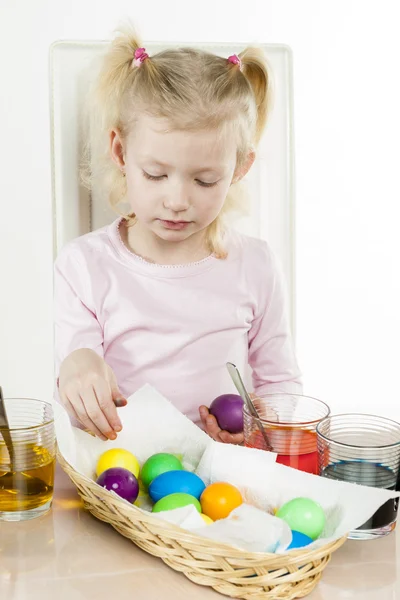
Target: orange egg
(219,499)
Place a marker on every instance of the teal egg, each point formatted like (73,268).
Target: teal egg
(176,501)
(173,482)
(157,464)
(303,515)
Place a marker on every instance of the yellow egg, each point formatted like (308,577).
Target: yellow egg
(206,519)
(143,500)
(118,457)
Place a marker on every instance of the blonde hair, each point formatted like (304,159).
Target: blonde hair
(193,90)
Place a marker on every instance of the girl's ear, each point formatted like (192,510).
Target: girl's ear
(117,149)
(245,168)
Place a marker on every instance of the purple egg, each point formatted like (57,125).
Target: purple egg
(121,481)
(228,410)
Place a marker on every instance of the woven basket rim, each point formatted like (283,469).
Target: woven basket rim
(109,497)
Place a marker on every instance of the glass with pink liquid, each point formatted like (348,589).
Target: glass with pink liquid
(290,422)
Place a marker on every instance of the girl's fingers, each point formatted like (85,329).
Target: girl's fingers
(90,415)
(95,413)
(76,409)
(104,399)
(210,424)
(231,438)
(203,412)
(212,427)
(69,407)
(119,402)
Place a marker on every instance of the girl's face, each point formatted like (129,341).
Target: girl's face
(177,181)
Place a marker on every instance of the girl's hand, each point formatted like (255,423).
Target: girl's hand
(89,392)
(213,429)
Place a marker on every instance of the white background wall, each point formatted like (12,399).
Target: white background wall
(347,131)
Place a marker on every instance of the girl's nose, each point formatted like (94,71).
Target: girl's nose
(177,199)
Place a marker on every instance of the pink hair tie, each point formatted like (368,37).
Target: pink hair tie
(139,57)
(235,60)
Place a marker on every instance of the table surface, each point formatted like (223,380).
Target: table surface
(71,555)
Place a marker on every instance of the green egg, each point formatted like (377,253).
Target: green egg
(158,464)
(176,501)
(303,515)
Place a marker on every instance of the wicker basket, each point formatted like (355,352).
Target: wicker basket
(228,570)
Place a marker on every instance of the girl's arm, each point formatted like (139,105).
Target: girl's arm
(86,385)
(271,349)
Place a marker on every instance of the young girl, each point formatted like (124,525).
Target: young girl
(169,293)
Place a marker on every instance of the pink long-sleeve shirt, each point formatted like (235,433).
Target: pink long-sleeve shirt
(176,326)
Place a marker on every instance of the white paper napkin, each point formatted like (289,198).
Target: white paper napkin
(152,424)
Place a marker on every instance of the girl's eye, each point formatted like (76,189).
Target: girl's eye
(160,177)
(204,184)
(153,177)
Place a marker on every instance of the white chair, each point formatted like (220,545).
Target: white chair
(271,179)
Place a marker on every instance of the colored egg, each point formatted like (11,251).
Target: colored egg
(228,410)
(219,499)
(176,501)
(121,481)
(173,482)
(118,457)
(299,540)
(158,464)
(303,515)
(206,519)
(142,489)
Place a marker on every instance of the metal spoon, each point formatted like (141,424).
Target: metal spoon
(238,381)
(5,429)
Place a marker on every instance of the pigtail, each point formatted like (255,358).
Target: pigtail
(103,111)
(117,73)
(254,67)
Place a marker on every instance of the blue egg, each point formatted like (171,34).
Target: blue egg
(173,482)
(299,540)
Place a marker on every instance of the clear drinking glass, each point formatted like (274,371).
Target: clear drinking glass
(363,449)
(290,422)
(27,476)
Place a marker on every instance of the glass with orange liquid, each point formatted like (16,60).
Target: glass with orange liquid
(27,465)
(290,422)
